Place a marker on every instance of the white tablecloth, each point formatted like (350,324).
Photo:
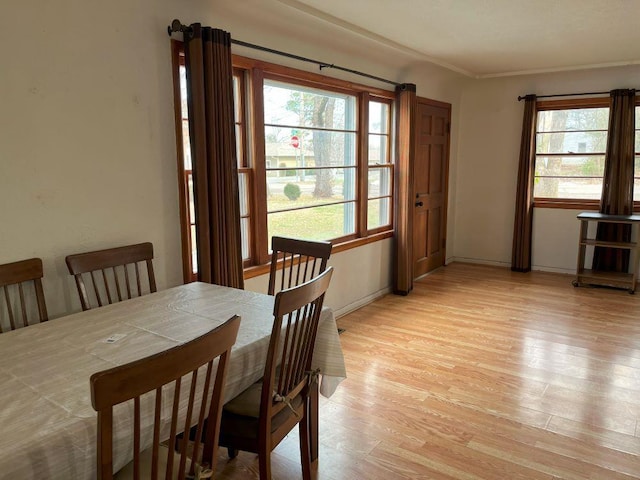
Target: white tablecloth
(47,424)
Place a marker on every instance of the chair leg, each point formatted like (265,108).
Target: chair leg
(305,447)
(232,452)
(312,411)
(264,460)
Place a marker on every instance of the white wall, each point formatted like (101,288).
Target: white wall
(360,276)
(488,150)
(87,147)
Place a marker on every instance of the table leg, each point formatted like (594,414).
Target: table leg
(314,404)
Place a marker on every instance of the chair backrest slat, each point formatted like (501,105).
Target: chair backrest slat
(21,283)
(117,261)
(138,278)
(117,282)
(23,306)
(295,261)
(296,317)
(7,299)
(193,363)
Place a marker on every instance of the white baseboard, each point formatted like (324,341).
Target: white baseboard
(361,302)
(538,268)
(381,293)
(543,268)
(479,261)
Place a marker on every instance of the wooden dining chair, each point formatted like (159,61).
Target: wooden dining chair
(172,371)
(21,281)
(295,261)
(114,274)
(260,417)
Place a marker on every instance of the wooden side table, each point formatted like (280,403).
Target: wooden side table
(586,276)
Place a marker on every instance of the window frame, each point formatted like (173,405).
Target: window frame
(390,165)
(568,104)
(256,71)
(251,143)
(274,77)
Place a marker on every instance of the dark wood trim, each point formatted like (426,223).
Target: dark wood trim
(362,162)
(260,232)
(569,204)
(312,79)
(567,103)
(434,103)
(177,50)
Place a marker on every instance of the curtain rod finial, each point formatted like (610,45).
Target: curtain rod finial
(177,26)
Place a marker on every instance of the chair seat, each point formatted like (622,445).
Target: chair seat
(241,414)
(126,473)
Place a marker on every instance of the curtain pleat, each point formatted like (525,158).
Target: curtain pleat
(523,223)
(407,102)
(213,154)
(617,189)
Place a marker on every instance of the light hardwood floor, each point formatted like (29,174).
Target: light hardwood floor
(481,373)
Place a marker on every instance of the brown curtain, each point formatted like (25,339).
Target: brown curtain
(403,235)
(523,223)
(617,189)
(213,155)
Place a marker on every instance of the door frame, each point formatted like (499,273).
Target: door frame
(445,193)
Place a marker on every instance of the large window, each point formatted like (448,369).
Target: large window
(314,159)
(570,152)
(571,141)
(310,151)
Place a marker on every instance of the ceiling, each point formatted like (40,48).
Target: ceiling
(491,38)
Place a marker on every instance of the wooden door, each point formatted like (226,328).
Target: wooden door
(430,185)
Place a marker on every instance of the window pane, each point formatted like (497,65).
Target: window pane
(571,142)
(378,117)
(183,91)
(239,151)
(569,177)
(378,149)
(636,177)
(186,145)
(295,188)
(636,169)
(575,188)
(314,147)
(244,231)
(192,210)
(570,166)
(236,100)
(575,119)
(378,213)
(317,223)
(194,250)
(379,182)
(244,194)
(298,106)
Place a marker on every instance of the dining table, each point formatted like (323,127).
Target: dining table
(47,424)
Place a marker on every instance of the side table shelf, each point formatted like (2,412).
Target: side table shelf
(586,276)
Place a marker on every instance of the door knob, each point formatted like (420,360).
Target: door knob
(419,204)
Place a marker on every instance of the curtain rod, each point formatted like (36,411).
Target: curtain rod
(177,26)
(566,95)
